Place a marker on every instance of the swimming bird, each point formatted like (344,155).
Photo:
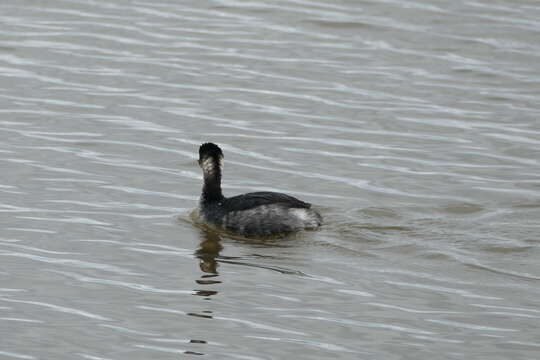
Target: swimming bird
(255,214)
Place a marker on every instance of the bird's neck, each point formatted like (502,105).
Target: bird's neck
(211,191)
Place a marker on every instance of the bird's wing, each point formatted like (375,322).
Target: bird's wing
(254,199)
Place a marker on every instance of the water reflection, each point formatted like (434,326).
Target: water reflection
(211,246)
(209,249)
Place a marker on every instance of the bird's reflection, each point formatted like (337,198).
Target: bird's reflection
(211,246)
(209,249)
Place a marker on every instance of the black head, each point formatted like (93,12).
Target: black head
(211,163)
(211,159)
(209,150)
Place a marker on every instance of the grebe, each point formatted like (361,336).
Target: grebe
(256,214)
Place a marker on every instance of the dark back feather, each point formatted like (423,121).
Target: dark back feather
(254,199)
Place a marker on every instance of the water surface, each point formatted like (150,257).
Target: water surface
(411,125)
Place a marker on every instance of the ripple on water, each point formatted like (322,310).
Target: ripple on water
(411,126)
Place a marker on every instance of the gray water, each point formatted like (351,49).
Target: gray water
(413,126)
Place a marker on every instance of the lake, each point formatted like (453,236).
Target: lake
(412,126)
